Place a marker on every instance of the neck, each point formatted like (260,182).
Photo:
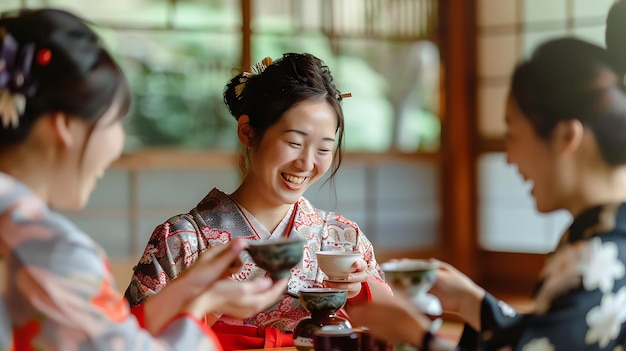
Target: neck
(265,212)
(602,187)
(23,165)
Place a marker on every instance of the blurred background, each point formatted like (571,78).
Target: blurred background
(424,174)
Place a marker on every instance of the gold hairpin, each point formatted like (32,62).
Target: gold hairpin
(345,95)
(258,68)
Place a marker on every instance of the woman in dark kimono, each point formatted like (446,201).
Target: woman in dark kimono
(566,133)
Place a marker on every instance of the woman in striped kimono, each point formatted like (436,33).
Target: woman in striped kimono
(62,99)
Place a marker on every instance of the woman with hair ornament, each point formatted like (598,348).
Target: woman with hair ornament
(62,100)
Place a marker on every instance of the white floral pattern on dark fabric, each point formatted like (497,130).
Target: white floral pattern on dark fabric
(560,275)
(506,309)
(580,298)
(540,344)
(605,321)
(600,265)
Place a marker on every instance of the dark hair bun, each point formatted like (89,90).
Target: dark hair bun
(77,76)
(615,36)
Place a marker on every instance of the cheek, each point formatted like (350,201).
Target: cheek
(119,139)
(324,162)
(105,146)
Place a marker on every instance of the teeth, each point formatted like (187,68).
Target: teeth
(294,179)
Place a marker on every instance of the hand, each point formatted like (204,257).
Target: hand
(458,294)
(354,280)
(176,297)
(240,299)
(391,320)
(217,262)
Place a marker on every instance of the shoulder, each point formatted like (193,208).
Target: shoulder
(183,221)
(52,247)
(215,199)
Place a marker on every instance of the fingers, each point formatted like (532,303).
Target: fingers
(390,321)
(234,246)
(353,288)
(243,299)
(234,267)
(214,262)
(357,277)
(359,266)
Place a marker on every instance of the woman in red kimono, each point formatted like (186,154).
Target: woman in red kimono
(290,124)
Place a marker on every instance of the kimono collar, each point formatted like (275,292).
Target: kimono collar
(596,221)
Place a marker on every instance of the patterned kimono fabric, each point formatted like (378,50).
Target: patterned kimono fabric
(580,299)
(217,219)
(59,293)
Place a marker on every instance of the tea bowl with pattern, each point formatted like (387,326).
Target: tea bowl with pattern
(337,264)
(277,256)
(323,304)
(412,278)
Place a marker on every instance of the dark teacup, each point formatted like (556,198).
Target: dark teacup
(336,340)
(367,342)
(278,256)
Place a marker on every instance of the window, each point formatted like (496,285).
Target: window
(383,52)
(179,54)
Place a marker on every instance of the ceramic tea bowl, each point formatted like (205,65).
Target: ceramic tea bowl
(410,274)
(412,279)
(277,256)
(323,303)
(323,300)
(337,264)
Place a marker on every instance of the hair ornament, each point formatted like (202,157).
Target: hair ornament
(15,78)
(44,56)
(345,95)
(12,106)
(258,69)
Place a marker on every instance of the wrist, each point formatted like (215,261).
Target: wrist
(469,308)
(364,295)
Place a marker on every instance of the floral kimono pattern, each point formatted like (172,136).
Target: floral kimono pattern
(217,219)
(580,299)
(59,293)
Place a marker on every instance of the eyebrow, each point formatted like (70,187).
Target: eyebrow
(305,134)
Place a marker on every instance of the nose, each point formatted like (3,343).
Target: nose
(305,160)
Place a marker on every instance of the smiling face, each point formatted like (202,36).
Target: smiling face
(534,157)
(293,153)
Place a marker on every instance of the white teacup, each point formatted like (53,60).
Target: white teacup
(337,264)
(412,278)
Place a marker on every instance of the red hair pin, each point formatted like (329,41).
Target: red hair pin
(44,56)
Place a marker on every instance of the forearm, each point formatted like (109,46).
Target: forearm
(160,308)
(470,307)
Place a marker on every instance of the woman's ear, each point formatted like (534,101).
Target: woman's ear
(244,131)
(569,136)
(61,128)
